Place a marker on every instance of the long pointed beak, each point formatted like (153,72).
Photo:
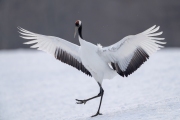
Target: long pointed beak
(76,29)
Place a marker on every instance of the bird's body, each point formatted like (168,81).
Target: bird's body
(123,57)
(93,62)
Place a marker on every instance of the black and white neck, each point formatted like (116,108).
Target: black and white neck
(80,31)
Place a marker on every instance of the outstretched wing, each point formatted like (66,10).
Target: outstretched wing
(131,52)
(61,49)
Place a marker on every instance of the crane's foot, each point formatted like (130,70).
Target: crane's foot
(81,101)
(96,114)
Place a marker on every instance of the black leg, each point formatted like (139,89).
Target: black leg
(84,101)
(100,94)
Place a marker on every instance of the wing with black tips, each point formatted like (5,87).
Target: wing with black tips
(61,49)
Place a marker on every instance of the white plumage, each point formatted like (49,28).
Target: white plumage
(50,43)
(123,57)
(133,47)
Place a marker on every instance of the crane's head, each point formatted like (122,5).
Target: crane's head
(77,25)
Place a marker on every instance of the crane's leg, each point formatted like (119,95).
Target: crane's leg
(102,93)
(99,95)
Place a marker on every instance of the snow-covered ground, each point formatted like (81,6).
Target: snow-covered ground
(35,86)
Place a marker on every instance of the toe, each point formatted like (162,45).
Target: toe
(96,114)
(81,101)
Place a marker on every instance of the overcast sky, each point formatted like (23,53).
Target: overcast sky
(104,21)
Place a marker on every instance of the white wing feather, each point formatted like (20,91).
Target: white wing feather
(61,49)
(129,53)
(49,44)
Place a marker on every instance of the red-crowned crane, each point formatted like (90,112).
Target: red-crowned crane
(123,57)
